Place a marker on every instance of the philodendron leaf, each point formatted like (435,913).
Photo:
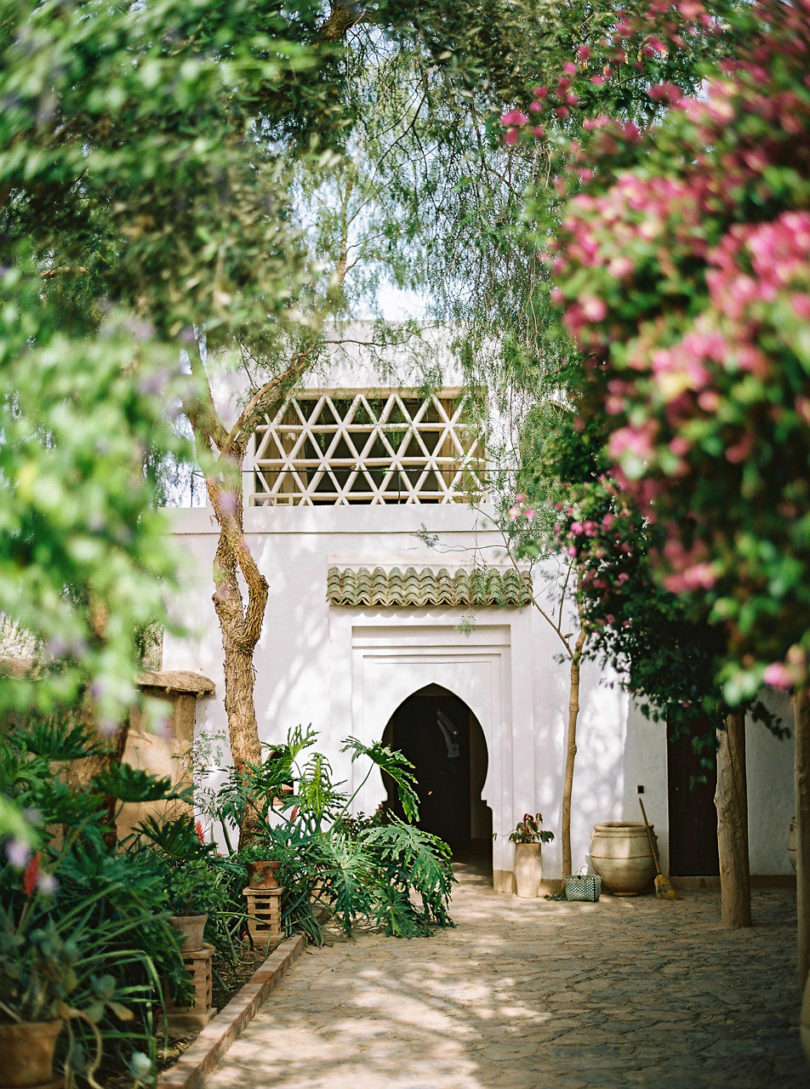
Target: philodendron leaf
(393,763)
(129,784)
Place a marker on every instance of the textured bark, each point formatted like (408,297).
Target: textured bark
(731,802)
(241,626)
(801,711)
(571,752)
(341,19)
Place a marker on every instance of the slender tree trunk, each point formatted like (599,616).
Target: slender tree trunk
(801,779)
(241,627)
(571,752)
(731,802)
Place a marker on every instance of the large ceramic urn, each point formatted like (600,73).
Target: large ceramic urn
(620,854)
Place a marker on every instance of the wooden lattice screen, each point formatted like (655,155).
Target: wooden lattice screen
(367,446)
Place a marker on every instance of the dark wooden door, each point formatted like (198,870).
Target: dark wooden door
(441,759)
(692,816)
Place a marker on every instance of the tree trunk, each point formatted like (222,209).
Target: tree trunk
(731,802)
(241,627)
(801,780)
(570,753)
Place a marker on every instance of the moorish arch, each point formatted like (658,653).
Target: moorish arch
(442,737)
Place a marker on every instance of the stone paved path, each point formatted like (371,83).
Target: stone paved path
(621,994)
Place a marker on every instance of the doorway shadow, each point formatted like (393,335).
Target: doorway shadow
(444,741)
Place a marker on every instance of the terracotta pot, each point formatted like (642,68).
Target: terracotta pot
(620,854)
(791,843)
(528,869)
(27,1054)
(262,875)
(191,928)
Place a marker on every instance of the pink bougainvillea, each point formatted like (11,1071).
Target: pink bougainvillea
(683,269)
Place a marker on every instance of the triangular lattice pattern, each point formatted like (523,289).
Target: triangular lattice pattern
(367,446)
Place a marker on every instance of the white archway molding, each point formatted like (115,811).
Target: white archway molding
(394,653)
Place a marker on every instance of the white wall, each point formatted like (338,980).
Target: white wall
(345,671)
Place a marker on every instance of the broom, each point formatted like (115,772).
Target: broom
(663,886)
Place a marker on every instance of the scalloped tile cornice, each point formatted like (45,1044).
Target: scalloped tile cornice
(398,588)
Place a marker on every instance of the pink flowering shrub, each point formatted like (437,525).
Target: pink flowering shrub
(683,267)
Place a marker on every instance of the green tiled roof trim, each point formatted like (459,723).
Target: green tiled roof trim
(394,587)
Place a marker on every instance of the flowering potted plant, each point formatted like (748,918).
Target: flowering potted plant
(528,837)
(43,953)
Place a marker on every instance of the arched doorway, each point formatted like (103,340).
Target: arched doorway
(444,741)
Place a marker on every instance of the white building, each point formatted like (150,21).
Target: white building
(370,632)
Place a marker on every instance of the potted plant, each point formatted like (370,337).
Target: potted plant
(42,953)
(528,837)
(35,985)
(262,864)
(193,893)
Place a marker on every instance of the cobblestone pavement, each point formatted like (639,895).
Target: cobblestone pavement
(620,994)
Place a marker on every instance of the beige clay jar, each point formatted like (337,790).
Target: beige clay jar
(191,929)
(620,854)
(26,1055)
(528,869)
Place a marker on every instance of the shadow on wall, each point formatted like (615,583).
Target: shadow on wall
(600,774)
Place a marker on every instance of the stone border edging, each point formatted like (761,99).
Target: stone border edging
(208,1049)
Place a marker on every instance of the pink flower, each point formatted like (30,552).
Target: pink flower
(570,68)
(514,513)
(540,92)
(665,92)
(592,308)
(511,137)
(583,52)
(539,132)
(514,117)
(597,81)
(620,266)
(777,675)
(529,513)
(520,497)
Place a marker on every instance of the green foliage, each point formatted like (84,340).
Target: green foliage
(129,784)
(176,838)
(360,869)
(409,862)
(83,931)
(394,764)
(529,830)
(684,277)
